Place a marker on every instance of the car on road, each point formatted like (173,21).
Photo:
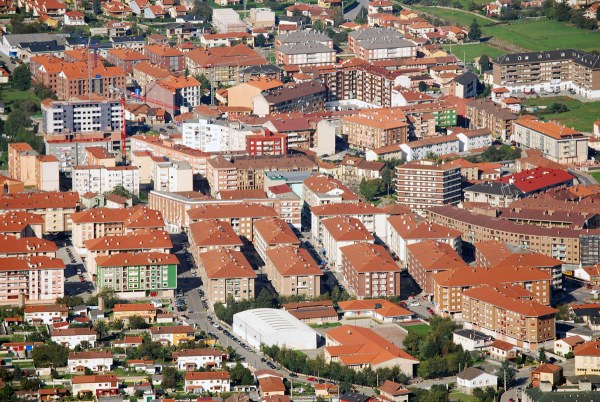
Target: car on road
(214,324)
(293,375)
(530,92)
(415,304)
(402,304)
(262,359)
(430,311)
(271,366)
(311,379)
(81,279)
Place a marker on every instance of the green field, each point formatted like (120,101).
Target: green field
(467,53)
(326,325)
(581,115)
(596,175)
(459,396)
(420,329)
(533,35)
(9,96)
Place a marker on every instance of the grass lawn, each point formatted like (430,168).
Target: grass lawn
(533,35)
(596,175)
(581,115)
(420,329)
(467,53)
(326,325)
(459,396)
(25,364)
(9,96)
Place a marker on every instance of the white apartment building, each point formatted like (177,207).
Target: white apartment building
(73,337)
(207,381)
(339,232)
(474,139)
(100,179)
(34,279)
(226,20)
(46,314)
(172,176)
(218,136)
(193,359)
(97,361)
(416,150)
(261,17)
(80,116)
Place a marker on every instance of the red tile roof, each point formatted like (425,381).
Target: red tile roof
(537,179)
(346,228)
(292,261)
(367,257)
(225,263)
(212,232)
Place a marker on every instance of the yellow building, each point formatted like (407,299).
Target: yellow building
(242,95)
(587,358)
(124,312)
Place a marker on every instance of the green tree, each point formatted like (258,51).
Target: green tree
(18,121)
(507,372)
(338,17)
(474,31)
(387,181)
(202,9)
(562,12)
(102,328)
(137,322)
(370,189)
(240,375)
(484,62)
(171,378)
(485,395)
(259,41)
(50,355)
(361,17)
(97,7)
(542,356)
(598,14)
(422,86)
(70,301)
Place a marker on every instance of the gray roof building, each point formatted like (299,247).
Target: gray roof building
(303,36)
(304,48)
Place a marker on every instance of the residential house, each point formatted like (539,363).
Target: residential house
(97,361)
(472,377)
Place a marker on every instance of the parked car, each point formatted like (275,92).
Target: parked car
(293,375)
(415,304)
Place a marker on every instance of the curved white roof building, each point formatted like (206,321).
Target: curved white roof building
(273,327)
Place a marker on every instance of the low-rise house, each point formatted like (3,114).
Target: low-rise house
(564,346)
(73,337)
(172,335)
(208,381)
(391,391)
(377,309)
(194,359)
(144,366)
(313,312)
(98,385)
(546,373)
(471,339)
(46,314)
(271,386)
(129,342)
(124,312)
(471,378)
(501,350)
(97,361)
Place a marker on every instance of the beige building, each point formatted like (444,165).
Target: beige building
(124,312)
(558,143)
(144,161)
(511,314)
(321,189)
(99,156)
(261,17)
(423,185)
(242,95)
(226,273)
(272,232)
(587,358)
(211,234)
(33,169)
(293,272)
(370,271)
(375,128)
(35,279)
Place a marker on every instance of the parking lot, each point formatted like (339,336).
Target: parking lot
(78,282)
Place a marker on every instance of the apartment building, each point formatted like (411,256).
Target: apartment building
(172,176)
(216,136)
(340,232)
(226,273)
(371,217)
(46,314)
(370,271)
(166,57)
(372,44)
(266,143)
(321,189)
(404,230)
(293,271)
(423,185)
(240,216)
(561,243)
(212,234)
(223,65)
(174,94)
(511,314)
(484,113)
(98,385)
(21,224)
(99,156)
(449,285)
(139,241)
(587,358)
(550,70)
(272,232)
(98,222)
(172,335)
(558,143)
(495,194)
(305,53)
(144,72)
(138,275)
(427,258)
(375,128)
(195,359)
(207,381)
(421,149)
(12,246)
(146,311)
(32,279)
(171,150)
(33,169)
(96,361)
(304,97)
(73,337)
(242,94)
(125,58)
(55,208)
(81,116)
(221,174)
(100,179)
